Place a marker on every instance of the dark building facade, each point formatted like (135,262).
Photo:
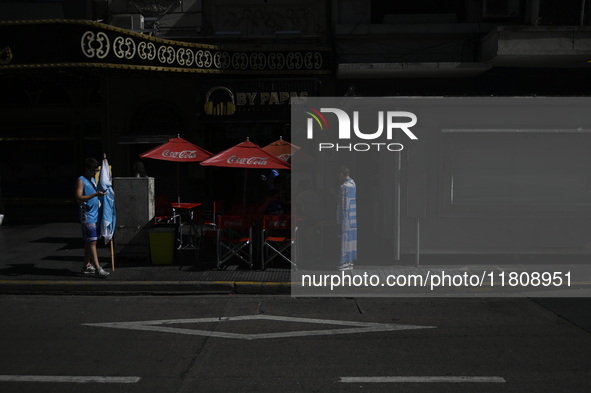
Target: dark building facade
(122,76)
(78,88)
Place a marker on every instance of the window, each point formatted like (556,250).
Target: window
(491,172)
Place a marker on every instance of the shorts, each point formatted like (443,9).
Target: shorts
(89,233)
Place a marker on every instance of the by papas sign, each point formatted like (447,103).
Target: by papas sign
(391,118)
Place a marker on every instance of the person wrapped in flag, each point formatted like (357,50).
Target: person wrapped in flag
(347,217)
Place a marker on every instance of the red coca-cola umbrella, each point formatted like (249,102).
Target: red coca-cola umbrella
(246,155)
(281,149)
(178,150)
(284,150)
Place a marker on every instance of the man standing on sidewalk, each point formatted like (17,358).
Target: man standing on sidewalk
(88,207)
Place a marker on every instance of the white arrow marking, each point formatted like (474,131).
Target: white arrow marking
(68,379)
(421,379)
(355,327)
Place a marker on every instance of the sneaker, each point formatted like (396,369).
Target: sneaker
(346,266)
(102,273)
(88,269)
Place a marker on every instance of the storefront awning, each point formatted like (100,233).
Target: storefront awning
(86,44)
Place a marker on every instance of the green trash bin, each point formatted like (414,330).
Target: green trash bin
(162,245)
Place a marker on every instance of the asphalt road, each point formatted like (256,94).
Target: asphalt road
(279,344)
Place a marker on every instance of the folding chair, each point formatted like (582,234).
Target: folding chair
(234,239)
(163,211)
(206,226)
(188,210)
(217,209)
(278,239)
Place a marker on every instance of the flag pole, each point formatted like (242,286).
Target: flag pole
(112,255)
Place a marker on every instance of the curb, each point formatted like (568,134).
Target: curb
(143,287)
(262,288)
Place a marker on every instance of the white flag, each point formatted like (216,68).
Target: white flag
(108,213)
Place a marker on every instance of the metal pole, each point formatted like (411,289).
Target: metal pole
(582,11)
(398,164)
(418,244)
(244,193)
(178,184)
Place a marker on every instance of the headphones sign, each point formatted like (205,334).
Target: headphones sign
(224,102)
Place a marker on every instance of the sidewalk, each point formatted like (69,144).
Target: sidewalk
(47,258)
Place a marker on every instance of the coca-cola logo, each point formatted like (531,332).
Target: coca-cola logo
(233,223)
(180,154)
(284,157)
(248,160)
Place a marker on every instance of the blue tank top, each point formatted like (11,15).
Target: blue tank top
(89,210)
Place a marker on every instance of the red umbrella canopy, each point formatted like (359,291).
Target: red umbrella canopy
(179,150)
(246,155)
(284,150)
(281,149)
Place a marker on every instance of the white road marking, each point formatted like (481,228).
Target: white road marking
(68,379)
(460,379)
(355,327)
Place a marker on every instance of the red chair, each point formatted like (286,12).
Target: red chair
(234,239)
(209,225)
(217,209)
(278,239)
(206,226)
(162,210)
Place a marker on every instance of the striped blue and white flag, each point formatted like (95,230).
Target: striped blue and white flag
(108,211)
